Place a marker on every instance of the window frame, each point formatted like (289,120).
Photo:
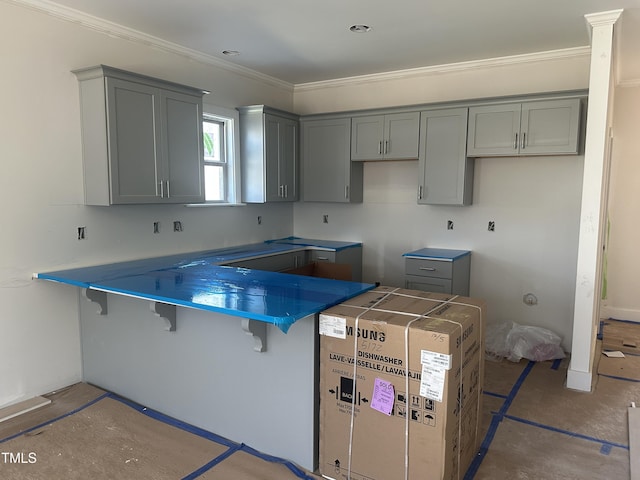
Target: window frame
(230,119)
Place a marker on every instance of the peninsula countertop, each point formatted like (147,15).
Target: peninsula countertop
(201,280)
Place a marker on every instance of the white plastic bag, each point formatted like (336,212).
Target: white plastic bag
(515,342)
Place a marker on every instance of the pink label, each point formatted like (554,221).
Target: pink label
(383,396)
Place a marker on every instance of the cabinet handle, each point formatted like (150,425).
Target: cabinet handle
(323,259)
(420,192)
(346,191)
(168,191)
(428,269)
(515,144)
(386,146)
(380,147)
(524,136)
(280,191)
(286,191)
(161,189)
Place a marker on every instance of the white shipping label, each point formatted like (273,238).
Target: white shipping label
(428,357)
(432,382)
(332,326)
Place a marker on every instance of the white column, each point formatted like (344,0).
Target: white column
(586,314)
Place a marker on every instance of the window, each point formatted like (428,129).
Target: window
(221,172)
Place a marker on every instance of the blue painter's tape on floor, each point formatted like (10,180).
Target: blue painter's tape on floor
(79,409)
(605,449)
(567,432)
(495,422)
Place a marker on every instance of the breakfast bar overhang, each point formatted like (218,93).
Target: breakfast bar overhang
(200,367)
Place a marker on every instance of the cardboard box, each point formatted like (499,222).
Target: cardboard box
(335,271)
(417,361)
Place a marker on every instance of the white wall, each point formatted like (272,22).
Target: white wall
(534,201)
(41,194)
(623,281)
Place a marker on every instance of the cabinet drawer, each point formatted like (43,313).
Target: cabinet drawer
(424,267)
(428,284)
(323,256)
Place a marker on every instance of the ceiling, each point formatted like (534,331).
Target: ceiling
(299,41)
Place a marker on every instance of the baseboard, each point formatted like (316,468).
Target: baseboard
(607,311)
(22,407)
(577,380)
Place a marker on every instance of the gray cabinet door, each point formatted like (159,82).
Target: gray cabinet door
(183,148)
(272,145)
(401,136)
(327,170)
(550,127)
(367,134)
(134,132)
(446,174)
(385,137)
(288,160)
(494,130)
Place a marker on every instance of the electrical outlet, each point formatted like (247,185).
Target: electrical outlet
(449,225)
(156,227)
(492,226)
(81,233)
(325,218)
(177,226)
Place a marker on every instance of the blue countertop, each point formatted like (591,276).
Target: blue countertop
(198,280)
(438,253)
(334,245)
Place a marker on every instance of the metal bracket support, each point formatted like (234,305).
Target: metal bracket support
(96,296)
(166,311)
(258,330)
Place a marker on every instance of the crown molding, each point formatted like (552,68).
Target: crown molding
(567,53)
(603,18)
(113,29)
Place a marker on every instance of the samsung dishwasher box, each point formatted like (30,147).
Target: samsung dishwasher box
(401,376)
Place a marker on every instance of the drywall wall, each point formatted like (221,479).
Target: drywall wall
(41,193)
(534,201)
(621,267)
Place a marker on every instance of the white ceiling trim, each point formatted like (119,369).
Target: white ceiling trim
(567,53)
(119,31)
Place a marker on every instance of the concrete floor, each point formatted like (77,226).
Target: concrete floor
(536,428)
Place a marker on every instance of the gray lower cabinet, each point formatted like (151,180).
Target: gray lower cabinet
(392,136)
(275,263)
(446,173)
(546,127)
(348,256)
(328,174)
(269,154)
(438,270)
(141,139)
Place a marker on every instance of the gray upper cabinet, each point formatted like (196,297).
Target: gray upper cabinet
(269,154)
(141,139)
(446,174)
(385,137)
(327,171)
(549,127)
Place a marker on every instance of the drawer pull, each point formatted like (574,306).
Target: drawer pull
(324,259)
(428,269)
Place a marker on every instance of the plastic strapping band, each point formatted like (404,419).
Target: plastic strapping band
(355,367)
(441,303)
